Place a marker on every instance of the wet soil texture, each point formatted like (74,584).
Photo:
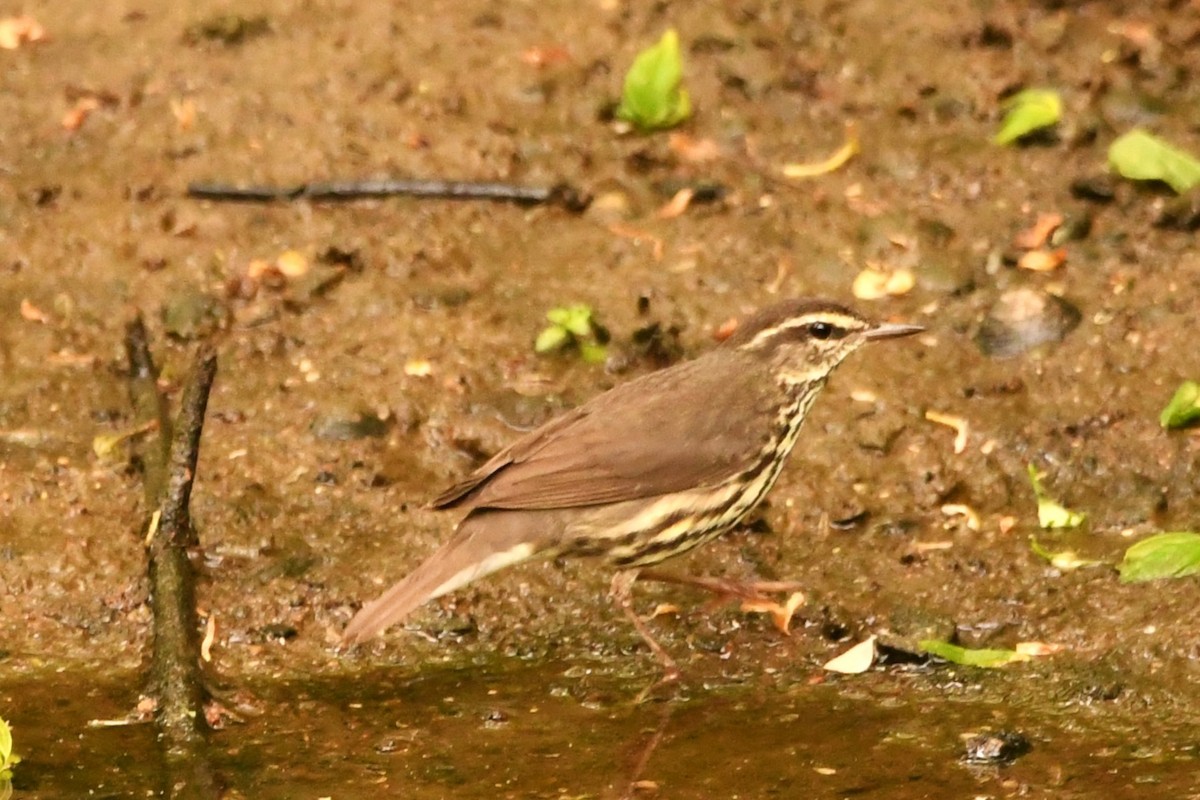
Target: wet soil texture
(373,351)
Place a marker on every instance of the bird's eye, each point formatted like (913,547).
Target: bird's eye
(820,330)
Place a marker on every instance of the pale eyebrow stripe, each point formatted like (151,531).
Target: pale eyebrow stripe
(837,319)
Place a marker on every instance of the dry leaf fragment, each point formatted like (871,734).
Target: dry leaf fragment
(961,510)
(418,368)
(152,528)
(1140,34)
(929,547)
(542,57)
(210,634)
(1043,260)
(291,264)
(843,154)
(876,282)
(16,31)
(781,614)
(961,428)
(726,329)
(1039,648)
(663,610)
(184,112)
(696,151)
(855,661)
(75,117)
(1039,233)
(630,232)
(677,204)
(783,268)
(32,313)
(258,268)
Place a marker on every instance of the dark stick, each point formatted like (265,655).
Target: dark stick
(336,191)
(175,670)
(148,405)
(175,525)
(169,471)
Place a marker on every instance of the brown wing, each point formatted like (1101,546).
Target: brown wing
(631,442)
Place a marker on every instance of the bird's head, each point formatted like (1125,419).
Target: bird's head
(804,340)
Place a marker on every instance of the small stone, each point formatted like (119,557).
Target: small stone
(1094,188)
(1023,319)
(609,207)
(343,425)
(1181,213)
(279,631)
(1001,747)
(908,626)
(192,314)
(1074,228)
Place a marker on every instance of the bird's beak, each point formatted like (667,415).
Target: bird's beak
(891,330)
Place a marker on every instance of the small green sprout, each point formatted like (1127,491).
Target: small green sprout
(8,759)
(1066,560)
(574,325)
(970,658)
(1028,112)
(654,97)
(1164,555)
(1139,156)
(1050,513)
(1184,408)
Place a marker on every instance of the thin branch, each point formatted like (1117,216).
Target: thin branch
(169,471)
(148,404)
(561,194)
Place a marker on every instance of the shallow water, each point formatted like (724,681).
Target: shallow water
(300,525)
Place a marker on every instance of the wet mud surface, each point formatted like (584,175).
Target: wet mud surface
(348,397)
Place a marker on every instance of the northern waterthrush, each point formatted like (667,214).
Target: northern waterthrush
(646,471)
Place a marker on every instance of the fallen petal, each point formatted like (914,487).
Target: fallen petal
(855,661)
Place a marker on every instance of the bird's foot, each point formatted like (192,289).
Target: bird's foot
(669,680)
(754,595)
(723,587)
(622,594)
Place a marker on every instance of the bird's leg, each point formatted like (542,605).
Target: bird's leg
(622,594)
(647,750)
(722,587)
(751,593)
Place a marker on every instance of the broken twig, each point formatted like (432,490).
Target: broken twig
(169,467)
(560,194)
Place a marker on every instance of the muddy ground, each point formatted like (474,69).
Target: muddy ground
(523,685)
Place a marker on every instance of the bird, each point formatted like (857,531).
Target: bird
(646,471)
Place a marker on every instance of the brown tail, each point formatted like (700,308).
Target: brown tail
(484,542)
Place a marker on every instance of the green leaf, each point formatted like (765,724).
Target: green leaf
(575,318)
(7,759)
(1050,513)
(6,743)
(579,320)
(593,353)
(552,338)
(970,658)
(1067,560)
(1164,555)
(1184,408)
(653,97)
(1028,111)
(1139,156)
